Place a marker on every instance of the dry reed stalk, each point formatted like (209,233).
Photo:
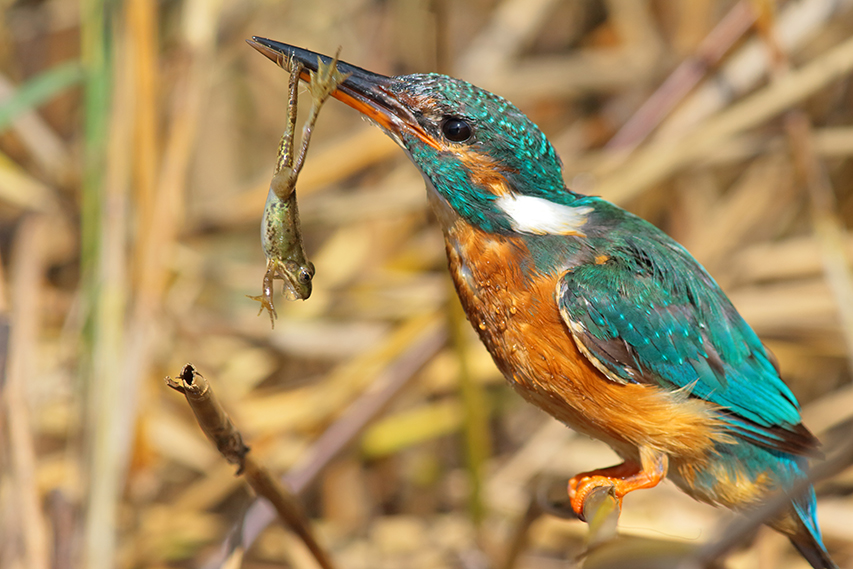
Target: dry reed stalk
(159,180)
(141,26)
(660,159)
(27,273)
(670,93)
(19,189)
(797,23)
(579,69)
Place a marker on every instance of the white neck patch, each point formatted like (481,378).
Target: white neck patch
(539,216)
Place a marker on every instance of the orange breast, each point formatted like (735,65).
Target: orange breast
(517,318)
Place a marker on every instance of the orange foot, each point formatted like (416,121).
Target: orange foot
(624,478)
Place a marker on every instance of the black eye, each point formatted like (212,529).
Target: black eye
(305,277)
(455,129)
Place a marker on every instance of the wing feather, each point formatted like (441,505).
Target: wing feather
(656,317)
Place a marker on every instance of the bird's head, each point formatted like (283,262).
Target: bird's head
(482,155)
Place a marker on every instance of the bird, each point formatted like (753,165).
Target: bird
(590,312)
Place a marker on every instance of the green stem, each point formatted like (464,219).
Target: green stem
(99,386)
(39,90)
(476,414)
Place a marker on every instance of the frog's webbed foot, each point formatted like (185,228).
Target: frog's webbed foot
(326,79)
(323,83)
(266,296)
(266,303)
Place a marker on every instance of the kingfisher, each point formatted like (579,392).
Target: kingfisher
(590,312)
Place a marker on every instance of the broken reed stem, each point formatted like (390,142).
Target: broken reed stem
(340,434)
(601,511)
(217,426)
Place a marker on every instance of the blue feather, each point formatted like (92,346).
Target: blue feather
(651,308)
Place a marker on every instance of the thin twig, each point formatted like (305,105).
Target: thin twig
(339,436)
(219,428)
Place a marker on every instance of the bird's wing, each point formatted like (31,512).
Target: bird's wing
(666,323)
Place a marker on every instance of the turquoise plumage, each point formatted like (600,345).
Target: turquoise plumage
(651,314)
(647,312)
(591,313)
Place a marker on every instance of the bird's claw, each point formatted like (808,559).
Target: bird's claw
(622,478)
(581,486)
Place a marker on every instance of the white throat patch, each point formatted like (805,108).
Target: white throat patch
(539,216)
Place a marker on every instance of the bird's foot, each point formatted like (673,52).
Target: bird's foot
(623,478)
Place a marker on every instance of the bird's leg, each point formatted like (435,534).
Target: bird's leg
(624,478)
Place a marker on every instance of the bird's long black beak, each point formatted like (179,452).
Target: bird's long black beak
(369,93)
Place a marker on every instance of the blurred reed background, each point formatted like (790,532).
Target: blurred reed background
(137,140)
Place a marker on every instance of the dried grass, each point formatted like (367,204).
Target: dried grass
(131,209)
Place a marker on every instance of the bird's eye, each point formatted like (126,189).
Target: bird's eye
(456,129)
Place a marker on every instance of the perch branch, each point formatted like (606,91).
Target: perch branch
(217,426)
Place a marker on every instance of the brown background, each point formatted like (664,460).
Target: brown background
(129,214)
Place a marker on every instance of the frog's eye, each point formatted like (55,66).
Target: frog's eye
(304,276)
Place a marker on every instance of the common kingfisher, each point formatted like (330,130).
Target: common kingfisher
(591,313)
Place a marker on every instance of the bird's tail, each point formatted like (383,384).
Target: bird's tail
(806,533)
